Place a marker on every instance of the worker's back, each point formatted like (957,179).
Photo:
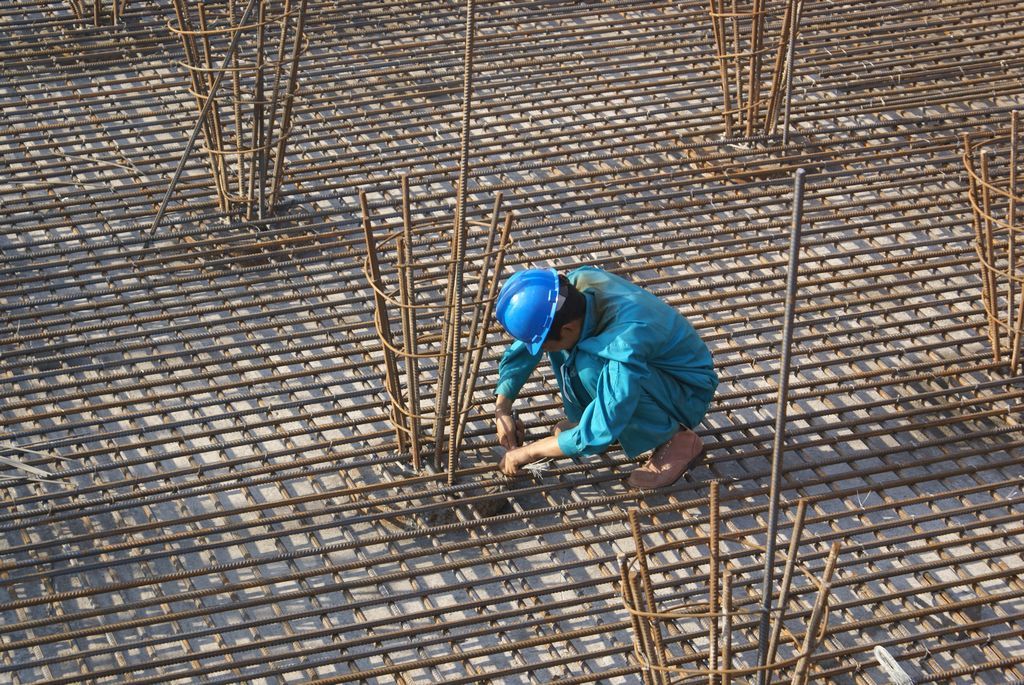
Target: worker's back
(631,324)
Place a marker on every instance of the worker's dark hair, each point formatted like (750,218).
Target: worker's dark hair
(573,307)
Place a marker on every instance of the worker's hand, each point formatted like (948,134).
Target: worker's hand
(514,460)
(511,430)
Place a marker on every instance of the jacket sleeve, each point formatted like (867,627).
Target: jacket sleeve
(515,367)
(618,392)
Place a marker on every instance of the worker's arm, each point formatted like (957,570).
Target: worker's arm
(527,454)
(510,427)
(618,393)
(515,367)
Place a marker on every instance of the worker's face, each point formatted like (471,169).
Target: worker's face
(569,336)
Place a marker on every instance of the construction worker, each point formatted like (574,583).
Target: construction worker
(630,368)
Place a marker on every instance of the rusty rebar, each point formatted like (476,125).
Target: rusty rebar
(756,38)
(727,617)
(787,579)
(382,319)
(410,337)
(1014,320)
(781,410)
(446,363)
(218,162)
(256,191)
(721,44)
(778,70)
(479,342)
(201,121)
(647,589)
(631,596)
(989,258)
(465,393)
(289,104)
(979,237)
(800,673)
(236,106)
(714,602)
(737,62)
(459,240)
(790,68)
(275,96)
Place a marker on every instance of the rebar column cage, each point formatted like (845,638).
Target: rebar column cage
(711,624)
(744,41)
(992,161)
(98,11)
(247,129)
(425,330)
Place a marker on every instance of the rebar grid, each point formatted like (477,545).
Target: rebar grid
(232,502)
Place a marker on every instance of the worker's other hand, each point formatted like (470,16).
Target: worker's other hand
(514,460)
(511,430)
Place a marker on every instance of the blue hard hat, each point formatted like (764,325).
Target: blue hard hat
(526,305)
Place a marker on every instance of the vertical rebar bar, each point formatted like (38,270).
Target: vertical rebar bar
(286,112)
(382,320)
(714,559)
(780,423)
(217,160)
(411,336)
(236,91)
(754,91)
(979,232)
(800,672)
(718,24)
(444,365)
(802,666)
(460,238)
(408,348)
(481,339)
(631,599)
(989,262)
(255,194)
(194,64)
(790,66)
(657,677)
(1014,320)
(648,593)
(727,623)
(492,231)
(737,63)
(787,579)
(232,47)
(275,95)
(778,71)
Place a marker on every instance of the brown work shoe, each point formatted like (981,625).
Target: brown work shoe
(670,461)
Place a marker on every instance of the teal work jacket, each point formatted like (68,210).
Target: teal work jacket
(638,371)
